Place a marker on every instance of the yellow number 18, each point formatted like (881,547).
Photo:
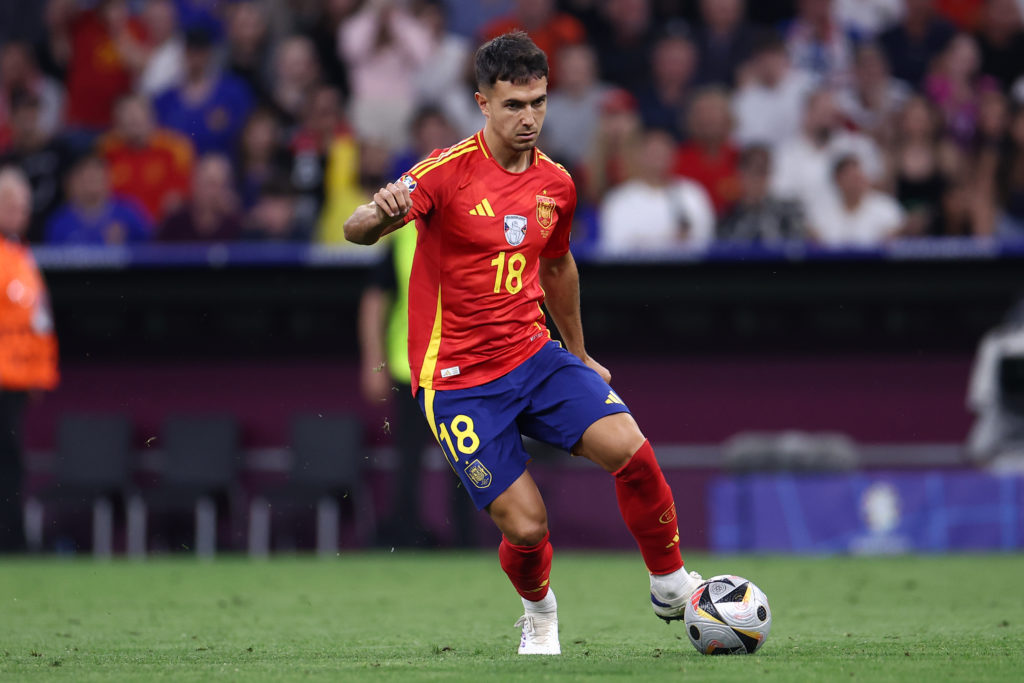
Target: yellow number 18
(516,266)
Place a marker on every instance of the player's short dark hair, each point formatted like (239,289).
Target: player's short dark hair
(511,57)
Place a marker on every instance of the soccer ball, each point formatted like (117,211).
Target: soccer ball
(727,615)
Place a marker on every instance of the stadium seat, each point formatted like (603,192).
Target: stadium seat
(91,467)
(326,468)
(201,461)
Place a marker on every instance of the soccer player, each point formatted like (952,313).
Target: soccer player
(493,215)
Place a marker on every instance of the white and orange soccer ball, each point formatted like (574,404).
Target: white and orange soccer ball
(728,615)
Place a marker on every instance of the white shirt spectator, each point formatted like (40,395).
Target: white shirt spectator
(769,116)
(639,217)
(876,218)
(571,123)
(441,81)
(867,18)
(383,74)
(803,171)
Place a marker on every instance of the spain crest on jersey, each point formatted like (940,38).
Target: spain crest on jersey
(545,214)
(478,474)
(515,229)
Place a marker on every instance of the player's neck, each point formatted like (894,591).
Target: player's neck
(512,160)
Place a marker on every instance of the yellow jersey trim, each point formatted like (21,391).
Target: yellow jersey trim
(440,161)
(433,346)
(551,161)
(479,137)
(431,161)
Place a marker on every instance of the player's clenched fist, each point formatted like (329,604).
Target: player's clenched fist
(393,200)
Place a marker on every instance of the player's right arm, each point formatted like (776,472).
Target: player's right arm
(386,213)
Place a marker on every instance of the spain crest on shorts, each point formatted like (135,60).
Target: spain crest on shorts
(545,214)
(478,474)
(515,229)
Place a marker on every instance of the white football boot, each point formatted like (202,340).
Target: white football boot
(540,632)
(669,593)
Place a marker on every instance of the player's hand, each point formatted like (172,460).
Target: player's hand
(393,201)
(598,368)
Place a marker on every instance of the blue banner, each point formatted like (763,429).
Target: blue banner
(867,512)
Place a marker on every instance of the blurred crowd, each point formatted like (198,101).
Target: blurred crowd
(841,122)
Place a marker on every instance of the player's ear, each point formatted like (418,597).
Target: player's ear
(481,101)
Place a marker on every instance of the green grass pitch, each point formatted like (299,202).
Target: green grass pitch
(401,616)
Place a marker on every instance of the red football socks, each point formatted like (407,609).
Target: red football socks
(646,504)
(527,566)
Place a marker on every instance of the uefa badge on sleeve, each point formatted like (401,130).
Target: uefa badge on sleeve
(515,229)
(408,181)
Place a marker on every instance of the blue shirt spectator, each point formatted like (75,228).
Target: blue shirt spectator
(210,107)
(92,216)
(119,221)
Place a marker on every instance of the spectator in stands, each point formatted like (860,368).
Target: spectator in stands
(325,167)
(623,38)
(210,106)
(874,97)
(916,41)
(955,85)
(964,14)
(1001,42)
(708,156)
(446,79)
(384,47)
(213,214)
(28,348)
(262,156)
(431,130)
(768,104)
(803,164)
(653,209)
(322,25)
(165,58)
(958,213)
(574,106)
(818,45)
(921,160)
(549,28)
(248,47)
(1010,180)
(92,214)
(272,218)
(855,215)
(758,217)
(724,41)
(151,165)
(618,133)
(105,52)
(43,159)
(20,73)
(865,19)
(663,103)
(296,76)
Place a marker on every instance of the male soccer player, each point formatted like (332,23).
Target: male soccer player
(493,215)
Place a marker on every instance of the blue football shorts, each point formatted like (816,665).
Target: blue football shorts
(551,396)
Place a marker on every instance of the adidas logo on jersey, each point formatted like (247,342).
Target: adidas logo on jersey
(482,209)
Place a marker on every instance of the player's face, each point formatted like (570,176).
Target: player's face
(515,112)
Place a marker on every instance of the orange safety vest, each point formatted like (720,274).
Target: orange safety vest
(28,346)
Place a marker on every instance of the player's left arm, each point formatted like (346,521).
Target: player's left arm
(560,280)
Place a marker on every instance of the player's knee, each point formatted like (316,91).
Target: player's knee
(527,532)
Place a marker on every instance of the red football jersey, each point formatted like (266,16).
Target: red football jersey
(474,292)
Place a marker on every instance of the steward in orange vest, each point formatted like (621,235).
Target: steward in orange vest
(28,347)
